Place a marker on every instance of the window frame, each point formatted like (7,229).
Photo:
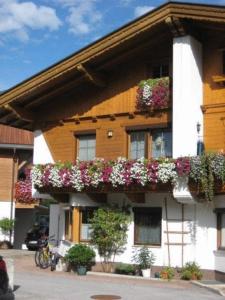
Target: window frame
(86,208)
(77,141)
(219,213)
(146,210)
(148,140)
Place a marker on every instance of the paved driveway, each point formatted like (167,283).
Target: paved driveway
(33,283)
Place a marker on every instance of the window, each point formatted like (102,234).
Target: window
(223,61)
(221,229)
(160,71)
(68,224)
(85,226)
(147,225)
(150,143)
(86,147)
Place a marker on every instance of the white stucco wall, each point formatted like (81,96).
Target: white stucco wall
(41,155)
(187,95)
(5,207)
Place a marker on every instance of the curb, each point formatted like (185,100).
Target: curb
(214,289)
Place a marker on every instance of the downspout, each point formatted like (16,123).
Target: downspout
(14,160)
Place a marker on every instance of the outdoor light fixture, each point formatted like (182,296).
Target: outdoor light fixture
(110,133)
(198,127)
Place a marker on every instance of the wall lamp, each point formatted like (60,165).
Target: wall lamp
(110,133)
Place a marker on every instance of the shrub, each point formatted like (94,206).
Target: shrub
(80,255)
(143,257)
(6,224)
(167,273)
(126,269)
(191,270)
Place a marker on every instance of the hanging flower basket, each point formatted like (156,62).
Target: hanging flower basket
(153,94)
(23,190)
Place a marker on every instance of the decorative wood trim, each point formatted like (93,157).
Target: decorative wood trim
(136,197)
(220,79)
(207,107)
(20,112)
(98,197)
(176,26)
(93,76)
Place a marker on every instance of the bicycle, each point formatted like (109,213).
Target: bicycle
(48,256)
(42,242)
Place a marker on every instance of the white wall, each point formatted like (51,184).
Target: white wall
(187,95)
(5,208)
(41,155)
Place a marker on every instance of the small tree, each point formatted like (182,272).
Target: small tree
(109,234)
(6,225)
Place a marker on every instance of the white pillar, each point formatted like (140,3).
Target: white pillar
(187,95)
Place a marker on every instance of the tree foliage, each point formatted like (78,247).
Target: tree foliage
(109,234)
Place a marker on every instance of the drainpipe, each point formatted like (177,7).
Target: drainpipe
(12,191)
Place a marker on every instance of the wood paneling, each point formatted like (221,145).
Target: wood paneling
(10,135)
(6,178)
(214,101)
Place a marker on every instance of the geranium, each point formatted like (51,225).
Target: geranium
(23,189)
(153,93)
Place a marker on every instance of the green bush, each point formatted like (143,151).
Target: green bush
(80,255)
(143,257)
(6,224)
(167,273)
(191,270)
(126,269)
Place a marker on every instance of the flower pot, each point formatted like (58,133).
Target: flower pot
(81,270)
(146,273)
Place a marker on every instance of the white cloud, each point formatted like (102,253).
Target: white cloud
(141,10)
(83,16)
(18,18)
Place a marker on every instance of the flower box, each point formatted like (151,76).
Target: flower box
(153,94)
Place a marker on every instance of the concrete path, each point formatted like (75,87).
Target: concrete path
(33,283)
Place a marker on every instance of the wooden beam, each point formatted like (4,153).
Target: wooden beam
(136,197)
(176,27)
(76,225)
(98,197)
(93,76)
(21,112)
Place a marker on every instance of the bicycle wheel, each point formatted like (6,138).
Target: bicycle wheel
(44,259)
(36,257)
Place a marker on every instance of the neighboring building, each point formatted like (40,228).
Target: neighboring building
(16,152)
(85,106)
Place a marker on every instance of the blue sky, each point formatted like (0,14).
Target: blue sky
(34,34)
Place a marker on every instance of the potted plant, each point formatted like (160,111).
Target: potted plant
(6,226)
(80,257)
(191,271)
(167,273)
(144,258)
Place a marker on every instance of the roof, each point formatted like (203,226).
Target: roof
(10,135)
(18,104)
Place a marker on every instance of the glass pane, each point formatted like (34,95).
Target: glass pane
(85,232)
(137,144)
(223,230)
(148,228)
(162,144)
(86,149)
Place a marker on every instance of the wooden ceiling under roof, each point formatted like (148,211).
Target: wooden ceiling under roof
(19,105)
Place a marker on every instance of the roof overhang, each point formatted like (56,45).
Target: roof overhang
(21,99)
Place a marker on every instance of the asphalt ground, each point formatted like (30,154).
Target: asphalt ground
(33,283)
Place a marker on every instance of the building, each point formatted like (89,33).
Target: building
(16,151)
(85,106)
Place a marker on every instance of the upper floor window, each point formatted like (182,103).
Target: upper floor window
(150,143)
(161,70)
(223,62)
(86,145)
